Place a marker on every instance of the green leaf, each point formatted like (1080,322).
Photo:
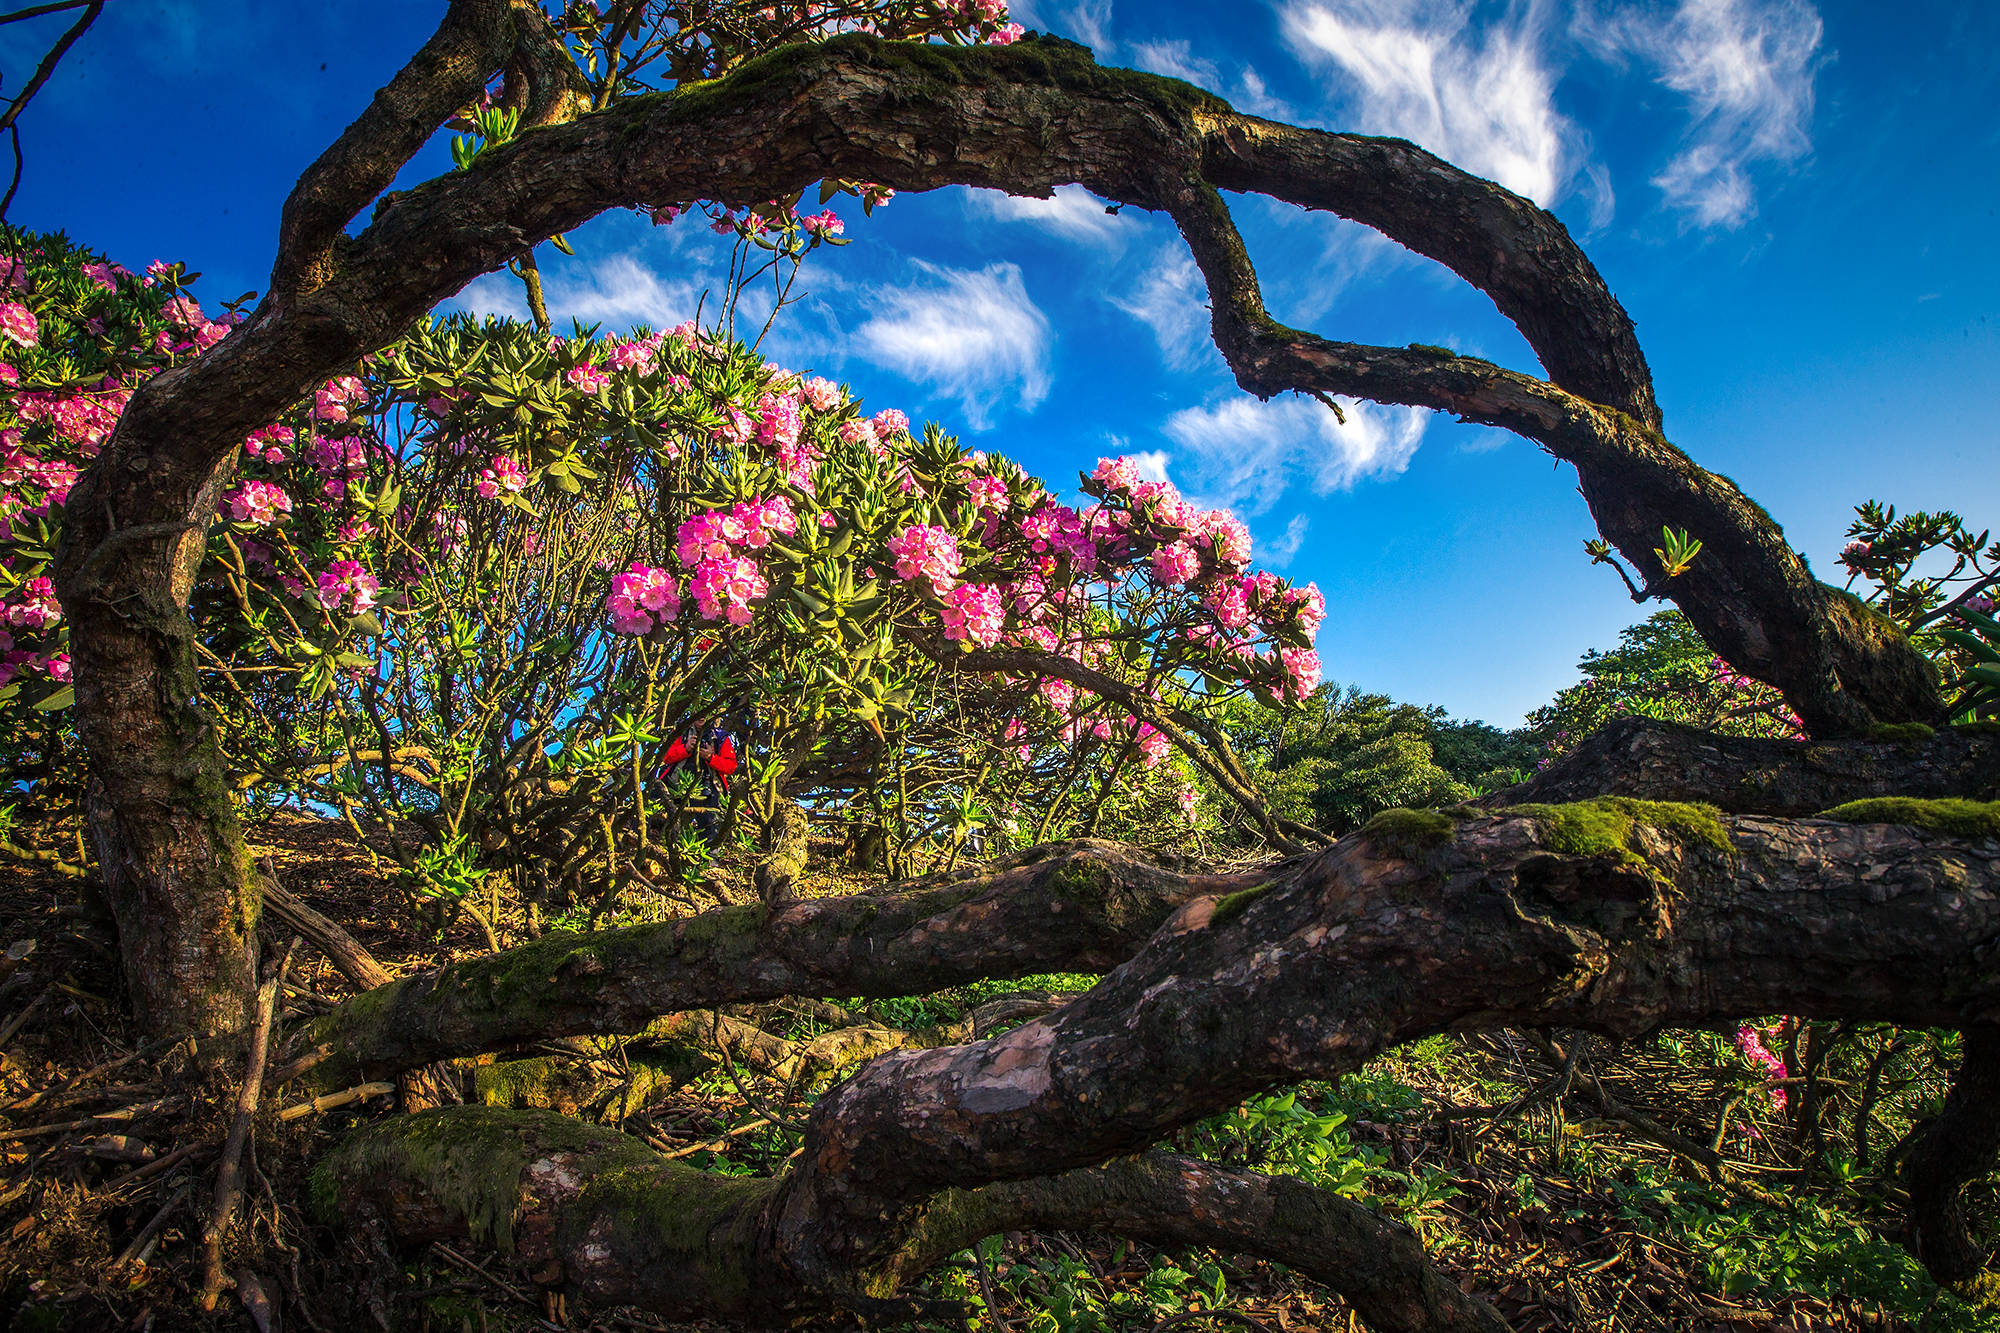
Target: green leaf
(62,698)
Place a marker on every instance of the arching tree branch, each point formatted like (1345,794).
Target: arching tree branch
(1608,917)
(1659,761)
(1067,906)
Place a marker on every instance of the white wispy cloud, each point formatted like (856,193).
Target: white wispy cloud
(617,291)
(1245,453)
(973,334)
(1746,68)
(1280,553)
(1478,95)
(1073,213)
(1171,299)
(1086,21)
(1175,58)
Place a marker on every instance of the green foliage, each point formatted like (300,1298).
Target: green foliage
(1661,669)
(1343,758)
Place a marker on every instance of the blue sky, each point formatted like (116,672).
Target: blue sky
(1795,202)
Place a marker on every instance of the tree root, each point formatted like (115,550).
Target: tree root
(595,1211)
(1947,1153)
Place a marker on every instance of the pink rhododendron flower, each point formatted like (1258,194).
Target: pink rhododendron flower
(268,443)
(1311,604)
(639,354)
(347,586)
(259,502)
(822,393)
(989,495)
(1175,563)
(333,399)
(1185,798)
(586,378)
(1854,553)
(890,422)
(37,608)
(1751,1043)
(758,519)
(1153,745)
(183,312)
(354,530)
(9,377)
(927,551)
(642,598)
(1057,693)
(973,612)
(1231,604)
(105,275)
(724,588)
(1007,35)
(502,474)
(778,422)
(57,665)
(1227,535)
(823,224)
(18,324)
(1160,503)
(1302,671)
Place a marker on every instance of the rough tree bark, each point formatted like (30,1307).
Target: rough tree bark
(1064,907)
(1025,119)
(1611,916)
(1659,761)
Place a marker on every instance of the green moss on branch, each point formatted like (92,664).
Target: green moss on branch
(1968,819)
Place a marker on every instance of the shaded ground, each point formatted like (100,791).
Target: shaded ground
(1563,1207)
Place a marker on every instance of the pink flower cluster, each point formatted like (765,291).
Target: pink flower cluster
(18,324)
(82,418)
(1302,672)
(640,355)
(36,607)
(1751,1043)
(346,586)
(642,598)
(1175,563)
(724,587)
(823,224)
(333,400)
(989,495)
(269,443)
(1154,747)
(924,550)
(716,534)
(259,503)
(973,612)
(586,378)
(502,474)
(822,393)
(338,462)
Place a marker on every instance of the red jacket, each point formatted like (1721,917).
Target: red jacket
(723,760)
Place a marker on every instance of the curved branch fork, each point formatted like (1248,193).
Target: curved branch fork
(1616,916)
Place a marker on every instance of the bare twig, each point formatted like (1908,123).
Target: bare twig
(333,1100)
(346,953)
(229,1176)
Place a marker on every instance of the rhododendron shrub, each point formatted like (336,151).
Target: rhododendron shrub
(478,584)
(76,334)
